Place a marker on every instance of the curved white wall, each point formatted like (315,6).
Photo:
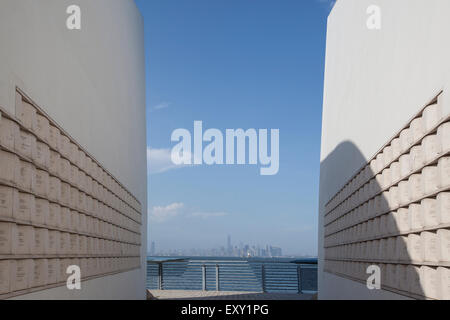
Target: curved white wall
(92,83)
(375,81)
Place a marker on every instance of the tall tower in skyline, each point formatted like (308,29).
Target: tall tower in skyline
(152,248)
(229,247)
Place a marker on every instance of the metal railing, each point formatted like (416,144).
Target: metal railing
(232,275)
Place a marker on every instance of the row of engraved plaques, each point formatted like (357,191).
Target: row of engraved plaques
(411,136)
(20,275)
(431,282)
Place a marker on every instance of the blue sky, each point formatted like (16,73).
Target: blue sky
(235,64)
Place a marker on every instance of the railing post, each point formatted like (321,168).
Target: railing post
(299,279)
(160,276)
(263,277)
(204,277)
(217,278)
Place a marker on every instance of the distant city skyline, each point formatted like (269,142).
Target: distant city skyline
(228,250)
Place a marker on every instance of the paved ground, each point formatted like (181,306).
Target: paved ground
(223,295)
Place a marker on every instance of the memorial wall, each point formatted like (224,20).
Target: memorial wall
(58,207)
(73,182)
(395,212)
(384,203)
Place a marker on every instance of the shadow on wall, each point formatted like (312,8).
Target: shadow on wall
(364,225)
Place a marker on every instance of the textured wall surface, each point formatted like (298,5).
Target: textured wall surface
(91,82)
(375,82)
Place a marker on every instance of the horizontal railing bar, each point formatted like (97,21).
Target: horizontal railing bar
(232,276)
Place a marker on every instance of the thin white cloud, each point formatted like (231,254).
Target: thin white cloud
(206,215)
(160,160)
(162,214)
(162,105)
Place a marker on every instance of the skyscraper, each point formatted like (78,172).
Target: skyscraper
(152,249)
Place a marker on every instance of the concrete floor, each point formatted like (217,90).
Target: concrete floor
(223,295)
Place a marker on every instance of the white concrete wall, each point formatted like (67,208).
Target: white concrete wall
(92,83)
(375,81)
